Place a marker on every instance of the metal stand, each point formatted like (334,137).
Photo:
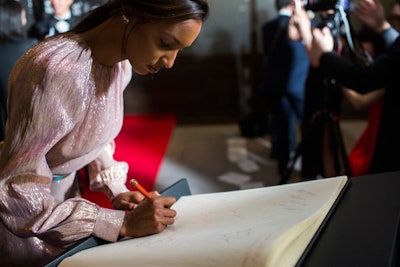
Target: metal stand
(336,144)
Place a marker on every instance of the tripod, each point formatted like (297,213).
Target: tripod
(326,118)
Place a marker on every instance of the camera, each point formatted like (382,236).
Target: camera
(325,5)
(331,13)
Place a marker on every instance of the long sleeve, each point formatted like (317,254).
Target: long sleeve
(380,74)
(389,36)
(62,116)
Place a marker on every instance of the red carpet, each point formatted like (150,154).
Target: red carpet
(141,143)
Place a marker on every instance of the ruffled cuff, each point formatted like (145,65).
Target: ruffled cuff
(112,180)
(108,224)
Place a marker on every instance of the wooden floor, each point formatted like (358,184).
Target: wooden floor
(200,153)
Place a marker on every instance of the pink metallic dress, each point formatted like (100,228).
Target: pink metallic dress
(65,109)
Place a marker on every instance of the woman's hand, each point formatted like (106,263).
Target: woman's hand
(127,200)
(149,217)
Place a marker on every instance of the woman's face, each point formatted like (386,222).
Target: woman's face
(154,46)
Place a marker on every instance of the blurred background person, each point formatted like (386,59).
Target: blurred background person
(323,150)
(60,21)
(13,43)
(381,73)
(286,71)
(360,156)
(320,149)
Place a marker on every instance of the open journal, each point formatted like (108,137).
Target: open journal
(269,226)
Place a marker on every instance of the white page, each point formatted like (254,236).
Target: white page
(236,228)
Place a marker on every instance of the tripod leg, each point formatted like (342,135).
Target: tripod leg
(329,165)
(299,149)
(286,175)
(342,154)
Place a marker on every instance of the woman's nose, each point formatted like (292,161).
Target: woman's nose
(169,59)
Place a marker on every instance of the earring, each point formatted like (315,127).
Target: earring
(125,19)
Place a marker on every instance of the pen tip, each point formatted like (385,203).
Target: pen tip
(133,182)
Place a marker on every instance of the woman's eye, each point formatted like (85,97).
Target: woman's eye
(164,44)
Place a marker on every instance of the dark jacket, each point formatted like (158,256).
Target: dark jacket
(41,28)
(382,73)
(287,60)
(10,52)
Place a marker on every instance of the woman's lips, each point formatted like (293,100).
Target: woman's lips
(152,69)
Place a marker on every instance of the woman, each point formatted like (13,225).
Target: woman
(360,156)
(13,43)
(65,109)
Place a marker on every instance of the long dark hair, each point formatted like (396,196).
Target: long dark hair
(146,11)
(11,20)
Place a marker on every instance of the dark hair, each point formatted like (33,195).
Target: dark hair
(146,11)
(10,20)
(279,4)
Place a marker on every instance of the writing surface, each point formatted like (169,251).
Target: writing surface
(253,227)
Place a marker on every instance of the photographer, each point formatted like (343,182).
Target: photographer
(284,78)
(320,147)
(380,73)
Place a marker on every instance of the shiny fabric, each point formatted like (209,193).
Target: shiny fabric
(65,109)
